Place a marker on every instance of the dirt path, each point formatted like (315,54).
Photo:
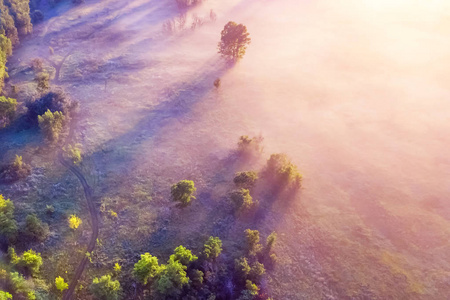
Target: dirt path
(94,221)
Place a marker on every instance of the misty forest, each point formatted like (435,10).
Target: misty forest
(210,149)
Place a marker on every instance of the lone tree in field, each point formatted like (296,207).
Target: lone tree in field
(183,191)
(234,41)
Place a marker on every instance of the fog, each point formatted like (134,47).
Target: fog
(353,91)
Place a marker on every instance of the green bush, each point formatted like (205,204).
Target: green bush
(15,171)
(242,268)
(5,295)
(73,152)
(283,171)
(183,255)
(43,82)
(104,288)
(172,279)
(234,41)
(241,199)
(270,241)
(31,261)
(212,248)
(246,179)
(252,241)
(146,268)
(35,229)
(51,124)
(8,226)
(257,271)
(183,191)
(60,284)
(8,108)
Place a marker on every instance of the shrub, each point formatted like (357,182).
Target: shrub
(31,260)
(53,101)
(250,292)
(234,41)
(196,276)
(242,268)
(20,10)
(8,108)
(212,248)
(15,171)
(8,226)
(104,288)
(51,124)
(60,284)
(241,199)
(117,268)
(35,229)
(146,268)
(248,146)
(252,241)
(183,191)
(245,179)
(37,64)
(73,152)
(74,222)
(217,83)
(49,209)
(283,171)
(5,295)
(257,271)
(183,255)
(270,241)
(43,82)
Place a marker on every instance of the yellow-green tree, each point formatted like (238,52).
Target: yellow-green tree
(51,124)
(61,284)
(74,221)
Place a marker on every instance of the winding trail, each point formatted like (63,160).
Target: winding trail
(94,223)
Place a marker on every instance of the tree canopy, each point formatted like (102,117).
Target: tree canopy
(234,41)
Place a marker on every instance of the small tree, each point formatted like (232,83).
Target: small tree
(8,108)
(212,248)
(183,255)
(60,284)
(5,295)
(51,124)
(8,226)
(257,271)
(73,152)
(270,241)
(74,222)
(43,82)
(172,279)
(234,41)
(15,171)
(241,199)
(245,179)
(146,268)
(183,191)
(242,268)
(31,261)
(104,288)
(35,229)
(252,241)
(249,146)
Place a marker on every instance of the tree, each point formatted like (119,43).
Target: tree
(245,179)
(7,110)
(20,10)
(31,261)
(252,241)
(73,152)
(283,171)
(51,124)
(104,288)
(249,146)
(172,279)
(212,248)
(60,284)
(257,271)
(5,51)
(35,229)
(183,255)
(7,26)
(5,295)
(53,101)
(242,268)
(270,241)
(43,82)
(15,171)
(250,292)
(146,268)
(241,199)
(74,222)
(234,41)
(8,226)
(183,191)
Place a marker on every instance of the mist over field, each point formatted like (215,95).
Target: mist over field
(353,92)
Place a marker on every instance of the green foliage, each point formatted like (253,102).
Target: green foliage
(8,226)
(20,10)
(242,268)
(74,222)
(270,241)
(35,228)
(12,255)
(248,146)
(241,199)
(183,191)
(60,284)
(196,277)
(7,110)
(19,284)
(173,278)
(252,241)
(73,152)
(234,41)
(183,255)
(212,248)
(257,271)
(245,179)
(5,295)
(5,51)
(43,82)
(15,171)
(104,288)
(31,261)
(51,124)
(146,268)
(7,26)
(117,268)
(250,292)
(283,171)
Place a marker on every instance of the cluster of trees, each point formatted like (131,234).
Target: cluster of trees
(240,197)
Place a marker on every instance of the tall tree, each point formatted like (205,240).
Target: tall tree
(234,41)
